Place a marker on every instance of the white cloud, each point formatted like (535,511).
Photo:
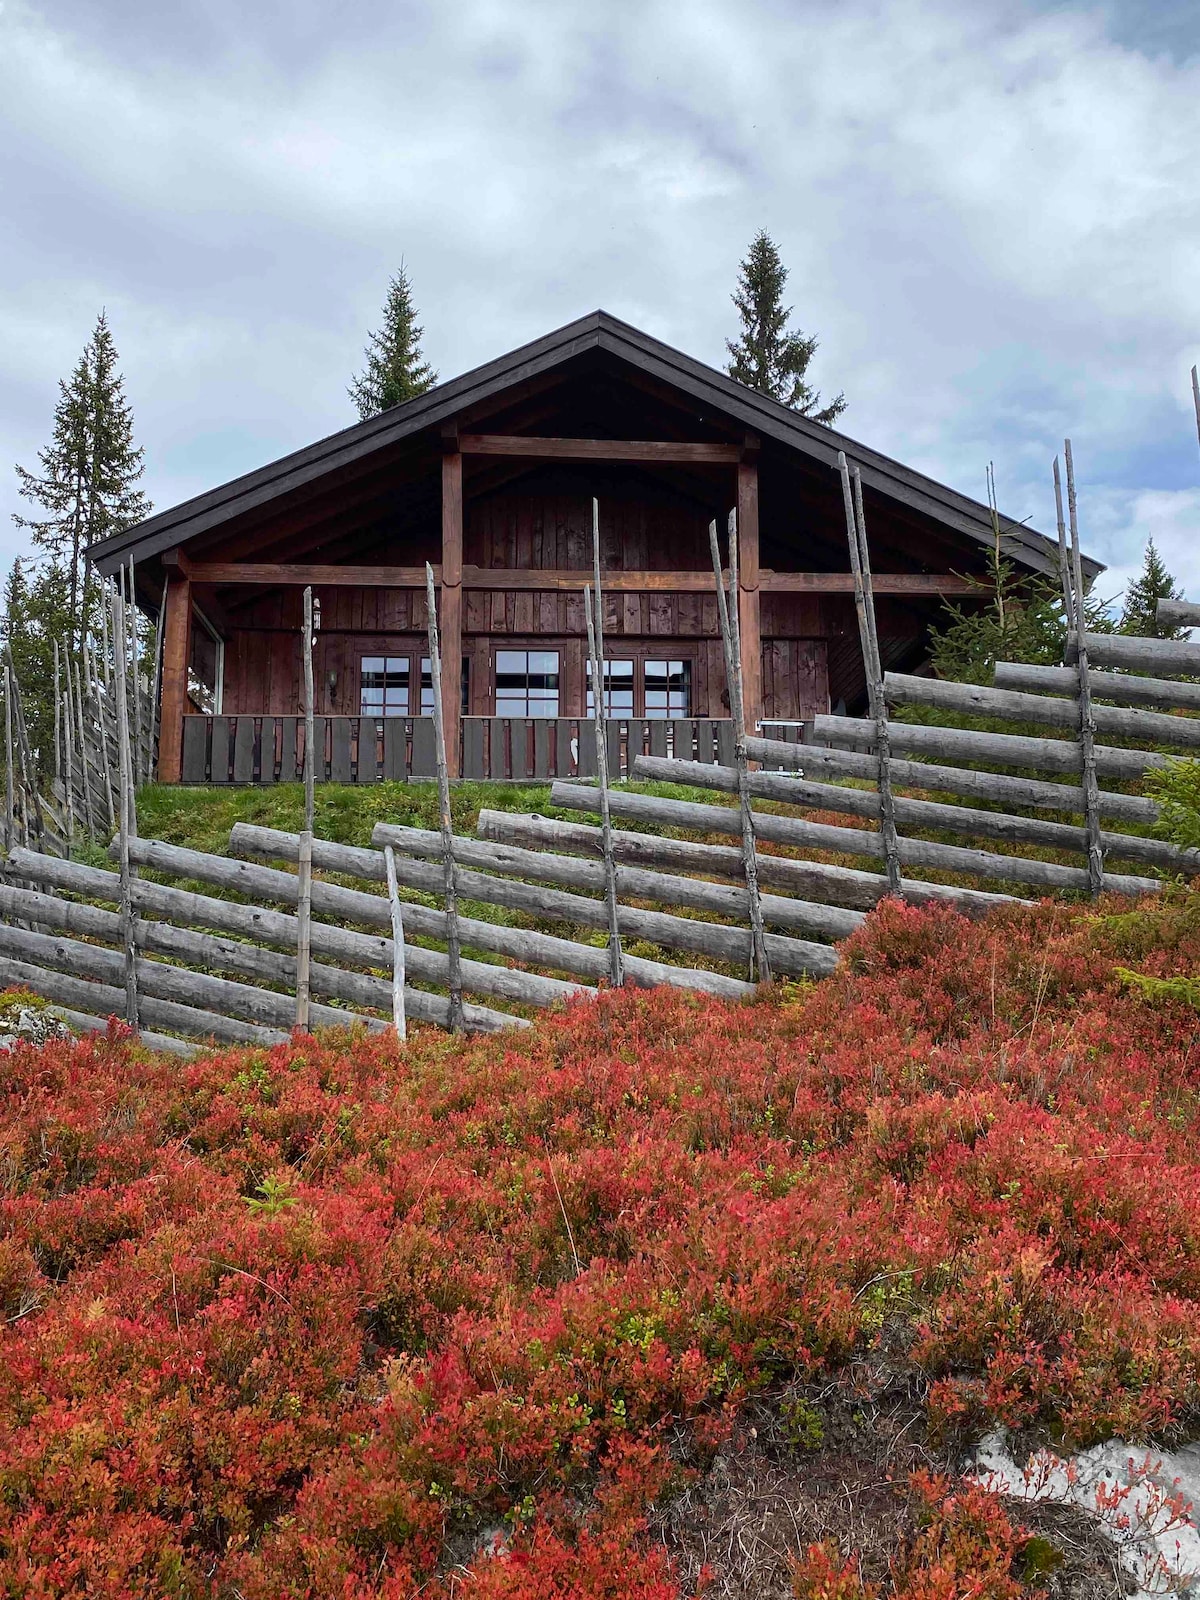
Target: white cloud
(990,214)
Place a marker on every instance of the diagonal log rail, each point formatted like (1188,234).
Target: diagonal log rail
(998,787)
(278,928)
(335,900)
(797,957)
(817,880)
(1160,693)
(974,699)
(1001,749)
(921,813)
(633,884)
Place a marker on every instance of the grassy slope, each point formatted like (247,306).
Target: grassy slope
(320,1320)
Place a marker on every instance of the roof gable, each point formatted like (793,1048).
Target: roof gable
(598,331)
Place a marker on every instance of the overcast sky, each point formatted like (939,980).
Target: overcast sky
(989,210)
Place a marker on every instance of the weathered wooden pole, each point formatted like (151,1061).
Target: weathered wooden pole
(134,662)
(127,828)
(599,710)
(864,604)
(62,750)
(445,817)
(398,1017)
(29,777)
(100,701)
(730,645)
(1072,577)
(10,802)
(93,823)
(304,903)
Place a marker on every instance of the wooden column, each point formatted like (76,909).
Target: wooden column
(177,649)
(451,596)
(749,609)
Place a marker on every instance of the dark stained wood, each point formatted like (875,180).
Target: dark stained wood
(177,644)
(452,604)
(301,575)
(749,605)
(552,449)
(915,583)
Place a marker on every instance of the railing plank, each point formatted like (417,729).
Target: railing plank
(395,748)
(542,730)
(424,758)
(287,749)
(219,764)
(518,744)
(339,766)
(243,750)
(473,740)
(195,750)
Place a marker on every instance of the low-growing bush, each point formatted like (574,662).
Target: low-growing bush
(340,1317)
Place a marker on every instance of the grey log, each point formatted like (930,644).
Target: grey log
(84,1022)
(1002,749)
(1161,693)
(277,928)
(797,957)
(632,883)
(1178,613)
(233,955)
(64,989)
(921,813)
(1166,658)
(544,834)
(957,858)
(846,886)
(995,786)
(977,700)
(221,996)
(333,900)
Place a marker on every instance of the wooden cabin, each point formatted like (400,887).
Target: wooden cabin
(491,477)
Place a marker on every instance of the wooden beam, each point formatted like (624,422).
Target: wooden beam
(913,583)
(548,449)
(749,600)
(299,574)
(451,599)
(177,649)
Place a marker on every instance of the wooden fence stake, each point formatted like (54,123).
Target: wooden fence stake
(1072,577)
(127,814)
(453,944)
(99,699)
(29,777)
(10,803)
(398,1018)
(595,633)
(304,903)
(731,643)
(89,805)
(139,741)
(864,605)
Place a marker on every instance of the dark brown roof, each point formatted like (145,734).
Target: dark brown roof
(598,331)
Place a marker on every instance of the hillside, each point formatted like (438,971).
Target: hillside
(345,1318)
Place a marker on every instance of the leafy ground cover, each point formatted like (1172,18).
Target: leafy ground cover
(506,1317)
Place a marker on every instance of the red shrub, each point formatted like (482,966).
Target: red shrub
(307,1321)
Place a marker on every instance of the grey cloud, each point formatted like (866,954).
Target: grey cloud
(989,212)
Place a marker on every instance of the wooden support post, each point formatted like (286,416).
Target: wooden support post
(304,901)
(177,649)
(10,798)
(749,605)
(156,691)
(441,754)
(451,620)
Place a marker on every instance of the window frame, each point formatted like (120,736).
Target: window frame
(414,655)
(640,655)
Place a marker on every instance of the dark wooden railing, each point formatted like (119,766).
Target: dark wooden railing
(254,749)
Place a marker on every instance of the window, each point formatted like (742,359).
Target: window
(618,689)
(427,686)
(527,683)
(383,686)
(668,688)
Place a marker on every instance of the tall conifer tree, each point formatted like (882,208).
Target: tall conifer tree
(769,356)
(396,368)
(1153,583)
(88,486)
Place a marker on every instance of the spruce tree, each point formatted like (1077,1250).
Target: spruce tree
(35,616)
(88,487)
(770,356)
(396,368)
(1154,583)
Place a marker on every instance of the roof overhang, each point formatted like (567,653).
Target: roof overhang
(441,405)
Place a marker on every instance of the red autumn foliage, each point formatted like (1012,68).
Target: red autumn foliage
(327,1319)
